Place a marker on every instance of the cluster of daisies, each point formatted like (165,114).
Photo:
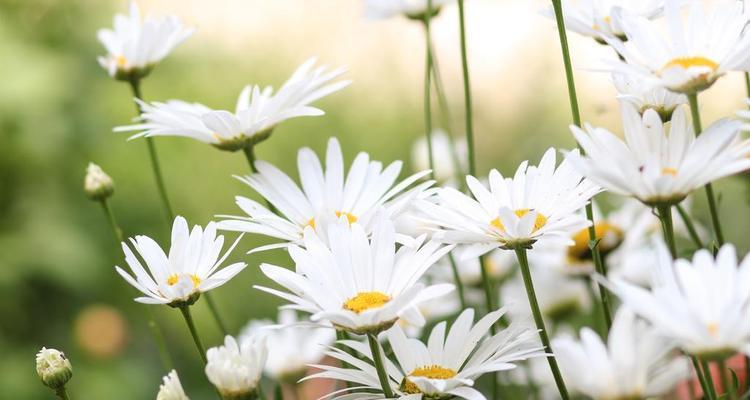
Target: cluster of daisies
(393,285)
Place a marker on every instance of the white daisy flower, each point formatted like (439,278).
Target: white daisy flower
(235,368)
(257,113)
(191,268)
(447,163)
(134,46)
(414,9)
(171,389)
(689,57)
(635,363)
(632,90)
(599,19)
(291,346)
(359,285)
(702,304)
(656,166)
(447,366)
(538,203)
(324,196)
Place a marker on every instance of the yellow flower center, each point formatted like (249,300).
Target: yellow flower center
(349,217)
(174,278)
(689,62)
(713,329)
(121,61)
(364,301)
(539,222)
(607,20)
(610,237)
(669,171)
(430,372)
(310,223)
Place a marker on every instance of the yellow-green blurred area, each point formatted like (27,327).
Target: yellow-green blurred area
(58,287)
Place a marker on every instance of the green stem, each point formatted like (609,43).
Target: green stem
(665,216)
(116,231)
(194,332)
(709,379)
(725,382)
(701,377)
(427,86)
(161,344)
(457,280)
(446,120)
(715,222)
(341,335)
(537,313)
(135,85)
(601,269)
(690,226)
(487,284)
(250,156)
(467,91)
(747,83)
(61,393)
(377,357)
(215,312)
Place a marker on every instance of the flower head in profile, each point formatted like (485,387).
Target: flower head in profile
(325,196)
(257,113)
(171,389)
(97,185)
(691,55)
(135,45)
(413,9)
(190,268)
(291,346)
(656,165)
(236,367)
(636,362)
(538,203)
(702,304)
(447,366)
(635,92)
(599,19)
(360,285)
(53,368)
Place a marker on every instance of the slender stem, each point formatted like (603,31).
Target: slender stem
(709,379)
(161,344)
(427,86)
(377,357)
(537,313)
(446,119)
(457,280)
(259,391)
(194,332)
(135,85)
(747,83)
(250,155)
(725,382)
(215,312)
(467,91)
(715,222)
(487,284)
(665,216)
(116,231)
(601,269)
(701,377)
(61,393)
(341,335)
(690,226)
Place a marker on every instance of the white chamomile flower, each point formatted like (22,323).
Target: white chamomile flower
(635,363)
(447,366)
(291,346)
(601,18)
(634,91)
(691,55)
(657,166)
(360,285)
(538,203)
(191,268)
(325,196)
(448,163)
(702,304)
(134,46)
(171,389)
(414,9)
(257,113)
(236,367)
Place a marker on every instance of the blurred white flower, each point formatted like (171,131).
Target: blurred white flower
(635,363)
(191,268)
(257,113)
(702,304)
(359,285)
(656,166)
(500,263)
(134,46)
(538,203)
(171,389)
(324,197)
(448,366)
(53,368)
(601,18)
(691,56)
(633,91)
(448,164)
(415,9)
(97,185)
(291,346)
(235,368)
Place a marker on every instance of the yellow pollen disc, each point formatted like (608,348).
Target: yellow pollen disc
(196,280)
(713,329)
(121,61)
(173,279)
(688,62)
(364,301)
(350,217)
(539,222)
(669,171)
(311,223)
(497,224)
(580,248)
(430,372)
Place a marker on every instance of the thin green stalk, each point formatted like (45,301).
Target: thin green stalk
(487,284)
(250,156)
(709,379)
(194,332)
(690,226)
(215,312)
(377,357)
(665,216)
(457,280)
(446,120)
(467,91)
(341,335)
(601,269)
(61,393)
(576,114)
(427,86)
(715,222)
(537,313)
(725,381)
(701,377)
(135,85)
(747,83)
(116,231)
(259,391)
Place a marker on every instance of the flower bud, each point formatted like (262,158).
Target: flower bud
(235,368)
(171,389)
(53,367)
(97,185)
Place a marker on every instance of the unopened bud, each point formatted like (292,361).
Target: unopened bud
(97,185)
(53,367)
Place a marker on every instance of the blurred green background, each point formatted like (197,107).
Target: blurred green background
(58,287)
